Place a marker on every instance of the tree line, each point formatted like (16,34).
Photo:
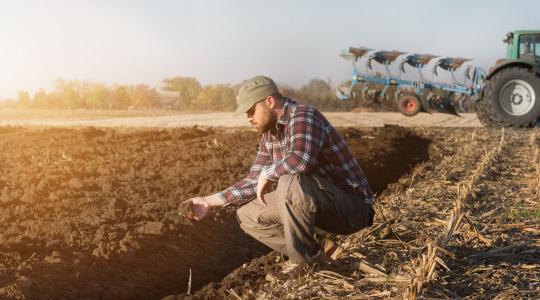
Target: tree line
(176,93)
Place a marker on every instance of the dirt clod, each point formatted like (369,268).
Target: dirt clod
(155,228)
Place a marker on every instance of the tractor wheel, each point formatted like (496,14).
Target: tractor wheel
(409,104)
(512,98)
(482,114)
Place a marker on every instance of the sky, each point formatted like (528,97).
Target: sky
(228,41)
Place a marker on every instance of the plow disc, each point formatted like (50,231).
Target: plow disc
(409,105)
(416,61)
(384,57)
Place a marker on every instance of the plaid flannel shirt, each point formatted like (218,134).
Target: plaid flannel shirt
(302,142)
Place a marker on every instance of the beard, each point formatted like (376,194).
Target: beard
(267,124)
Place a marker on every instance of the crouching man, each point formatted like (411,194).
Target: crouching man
(304,177)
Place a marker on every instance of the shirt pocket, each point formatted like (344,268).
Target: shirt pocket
(284,146)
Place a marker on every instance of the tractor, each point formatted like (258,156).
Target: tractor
(509,95)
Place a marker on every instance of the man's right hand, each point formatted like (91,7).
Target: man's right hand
(200,206)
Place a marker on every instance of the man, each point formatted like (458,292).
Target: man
(318,183)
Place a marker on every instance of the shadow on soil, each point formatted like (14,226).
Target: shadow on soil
(386,154)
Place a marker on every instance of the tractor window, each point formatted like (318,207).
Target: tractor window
(537,46)
(529,46)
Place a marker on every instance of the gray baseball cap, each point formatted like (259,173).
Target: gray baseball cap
(254,90)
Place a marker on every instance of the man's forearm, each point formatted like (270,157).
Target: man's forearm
(214,200)
(292,163)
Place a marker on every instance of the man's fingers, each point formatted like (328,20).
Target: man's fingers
(261,188)
(260,197)
(187,214)
(188,209)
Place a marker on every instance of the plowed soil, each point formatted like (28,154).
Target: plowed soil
(91,213)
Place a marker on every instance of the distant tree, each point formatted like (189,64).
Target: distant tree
(67,94)
(23,99)
(219,97)
(41,99)
(95,95)
(319,93)
(287,90)
(315,93)
(120,97)
(188,88)
(143,96)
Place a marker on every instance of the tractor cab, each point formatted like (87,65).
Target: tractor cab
(523,45)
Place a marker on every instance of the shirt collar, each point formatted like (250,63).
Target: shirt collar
(284,119)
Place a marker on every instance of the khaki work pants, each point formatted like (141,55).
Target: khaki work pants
(300,204)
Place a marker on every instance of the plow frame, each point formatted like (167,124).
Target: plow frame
(473,89)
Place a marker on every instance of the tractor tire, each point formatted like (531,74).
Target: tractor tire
(482,114)
(409,104)
(512,98)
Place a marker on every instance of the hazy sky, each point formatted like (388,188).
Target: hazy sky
(220,41)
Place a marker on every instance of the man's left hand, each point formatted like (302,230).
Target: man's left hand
(263,185)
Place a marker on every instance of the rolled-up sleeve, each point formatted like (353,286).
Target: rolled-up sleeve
(246,189)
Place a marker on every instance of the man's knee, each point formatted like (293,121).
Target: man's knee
(244,215)
(284,184)
(295,191)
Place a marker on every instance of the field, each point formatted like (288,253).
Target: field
(172,119)
(91,212)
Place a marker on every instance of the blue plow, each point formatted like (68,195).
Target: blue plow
(413,96)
